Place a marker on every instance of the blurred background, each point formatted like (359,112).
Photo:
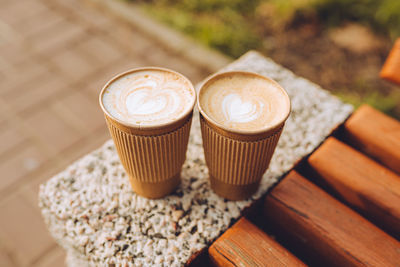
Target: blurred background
(338,44)
(55,55)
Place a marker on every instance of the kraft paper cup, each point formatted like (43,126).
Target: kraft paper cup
(237,159)
(151,155)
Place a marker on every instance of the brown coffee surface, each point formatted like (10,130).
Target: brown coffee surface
(243,101)
(148,97)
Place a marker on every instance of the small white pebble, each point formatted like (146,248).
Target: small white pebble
(177,214)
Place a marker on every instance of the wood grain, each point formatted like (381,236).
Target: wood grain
(244,244)
(391,69)
(375,134)
(365,184)
(326,227)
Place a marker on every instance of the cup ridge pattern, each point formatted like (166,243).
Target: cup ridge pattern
(237,162)
(151,159)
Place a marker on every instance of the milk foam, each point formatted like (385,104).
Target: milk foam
(244,102)
(148,97)
(235,110)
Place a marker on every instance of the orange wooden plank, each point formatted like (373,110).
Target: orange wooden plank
(375,134)
(361,181)
(324,226)
(391,69)
(244,244)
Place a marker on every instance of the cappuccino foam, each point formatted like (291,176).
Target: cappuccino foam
(148,97)
(243,101)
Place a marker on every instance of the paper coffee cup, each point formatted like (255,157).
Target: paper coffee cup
(235,156)
(152,155)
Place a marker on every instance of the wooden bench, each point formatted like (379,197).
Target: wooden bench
(391,69)
(244,244)
(311,214)
(375,134)
(370,187)
(325,226)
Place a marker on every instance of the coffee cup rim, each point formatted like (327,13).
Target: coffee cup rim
(147,127)
(218,75)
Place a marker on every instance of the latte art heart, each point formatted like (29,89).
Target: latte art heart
(235,110)
(148,97)
(242,101)
(146,101)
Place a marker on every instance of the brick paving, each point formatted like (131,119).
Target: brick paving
(54,57)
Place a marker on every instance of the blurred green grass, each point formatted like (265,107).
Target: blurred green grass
(221,24)
(233,26)
(385,103)
(236,26)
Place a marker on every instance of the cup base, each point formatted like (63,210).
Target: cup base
(233,192)
(155,190)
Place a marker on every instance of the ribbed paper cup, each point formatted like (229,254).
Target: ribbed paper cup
(151,155)
(237,159)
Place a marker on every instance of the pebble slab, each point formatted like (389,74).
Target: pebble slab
(92,212)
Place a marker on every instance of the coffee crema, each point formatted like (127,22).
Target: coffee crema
(148,97)
(244,101)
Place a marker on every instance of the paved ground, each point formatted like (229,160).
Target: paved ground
(54,57)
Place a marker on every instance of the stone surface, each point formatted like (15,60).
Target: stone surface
(93,213)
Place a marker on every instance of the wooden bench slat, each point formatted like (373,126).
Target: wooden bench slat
(244,244)
(325,226)
(391,69)
(372,188)
(375,134)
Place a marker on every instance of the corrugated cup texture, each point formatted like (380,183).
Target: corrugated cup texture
(152,155)
(236,158)
(153,162)
(236,166)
